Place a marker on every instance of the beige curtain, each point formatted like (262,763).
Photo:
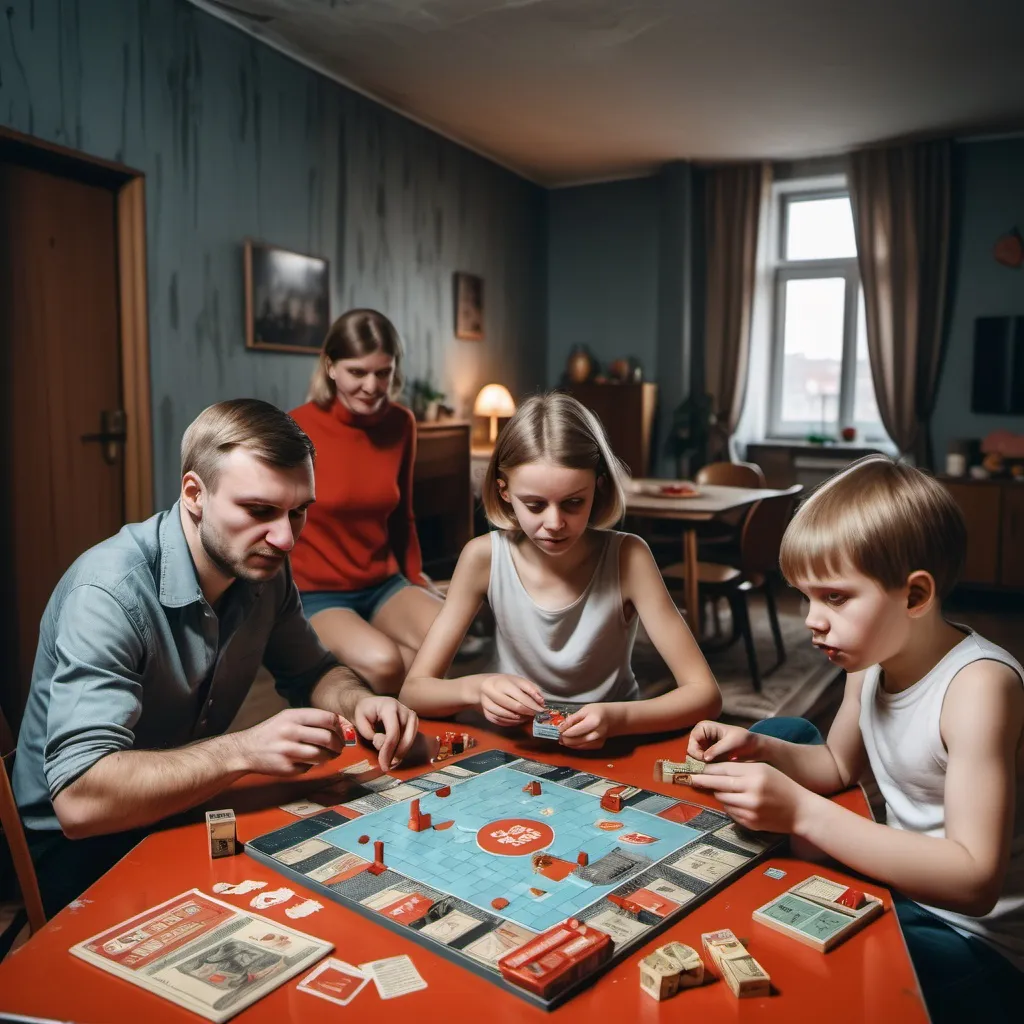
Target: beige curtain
(902,197)
(735,196)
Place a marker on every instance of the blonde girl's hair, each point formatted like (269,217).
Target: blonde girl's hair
(556,428)
(884,518)
(357,333)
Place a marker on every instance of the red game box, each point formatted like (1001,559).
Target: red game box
(556,958)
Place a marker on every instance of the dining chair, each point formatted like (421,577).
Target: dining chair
(760,541)
(14,850)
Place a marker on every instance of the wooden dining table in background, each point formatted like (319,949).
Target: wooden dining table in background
(652,498)
(867,978)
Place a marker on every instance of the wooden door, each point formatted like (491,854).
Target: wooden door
(59,335)
(1012,569)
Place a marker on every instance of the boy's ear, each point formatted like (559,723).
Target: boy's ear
(921,592)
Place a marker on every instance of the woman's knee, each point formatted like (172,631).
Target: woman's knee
(380,664)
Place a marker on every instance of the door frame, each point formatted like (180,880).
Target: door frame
(129,187)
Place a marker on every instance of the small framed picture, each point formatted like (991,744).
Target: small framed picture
(469,307)
(287,299)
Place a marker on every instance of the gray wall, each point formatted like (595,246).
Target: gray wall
(993,203)
(236,140)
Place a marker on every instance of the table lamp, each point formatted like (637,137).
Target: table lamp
(494,401)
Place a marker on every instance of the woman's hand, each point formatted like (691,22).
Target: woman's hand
(509,700)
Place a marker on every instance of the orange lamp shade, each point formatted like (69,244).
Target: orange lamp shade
(494,401)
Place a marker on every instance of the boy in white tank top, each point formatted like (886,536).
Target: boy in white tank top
(937,712)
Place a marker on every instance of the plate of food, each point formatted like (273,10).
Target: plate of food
(665,489)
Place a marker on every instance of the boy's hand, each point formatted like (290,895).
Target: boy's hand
(713,741)
(509,700)
(756,795)
(588,728)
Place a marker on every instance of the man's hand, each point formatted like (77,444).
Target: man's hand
(398,723)
(509,700)
(291,742)
(588,728)
(756,795)
(713,741)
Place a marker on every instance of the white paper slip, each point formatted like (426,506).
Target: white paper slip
(359,768)
(394,976)
(303,808)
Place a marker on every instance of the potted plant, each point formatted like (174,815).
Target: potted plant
(694,421)
(424,399)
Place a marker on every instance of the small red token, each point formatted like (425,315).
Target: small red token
(364,839)
(499,903)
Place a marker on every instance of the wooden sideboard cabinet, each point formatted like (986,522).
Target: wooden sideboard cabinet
(627,412)
(442,497)
(994,511)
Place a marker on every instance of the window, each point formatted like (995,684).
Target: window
(820,379)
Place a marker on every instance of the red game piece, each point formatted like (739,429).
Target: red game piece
(612,800)
(418,822)
(499,903)
(624,904)
(852,898)
(443,791)
(533,788)
(364,840)
(582,859)
(378,867)
(556,958)
(442,825)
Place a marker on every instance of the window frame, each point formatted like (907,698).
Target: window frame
(784,194)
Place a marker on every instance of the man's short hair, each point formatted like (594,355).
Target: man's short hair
(271,435)
(884,518)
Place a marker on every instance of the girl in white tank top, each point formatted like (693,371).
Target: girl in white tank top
(566,591)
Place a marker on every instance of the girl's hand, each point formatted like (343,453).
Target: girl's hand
(713,741)
(756,795)
(588,728)
(509,700)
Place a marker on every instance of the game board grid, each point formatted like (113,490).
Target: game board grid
(442,860)
(361,885)
(296,832)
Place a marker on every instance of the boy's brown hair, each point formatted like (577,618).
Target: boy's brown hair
(556,428)
(884,518)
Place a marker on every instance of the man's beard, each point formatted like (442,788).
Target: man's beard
(233,568)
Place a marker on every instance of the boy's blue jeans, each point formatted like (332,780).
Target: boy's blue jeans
(962,979)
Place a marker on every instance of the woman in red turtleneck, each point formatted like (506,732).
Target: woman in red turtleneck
(357,561)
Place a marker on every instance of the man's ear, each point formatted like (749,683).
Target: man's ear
(193,494)
(922,594)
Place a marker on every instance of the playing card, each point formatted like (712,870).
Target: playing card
(334,980)
(394,976)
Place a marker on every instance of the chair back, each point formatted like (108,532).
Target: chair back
(763,528)
(730,474)
(13,834)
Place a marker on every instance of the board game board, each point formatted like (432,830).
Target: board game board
(495,865)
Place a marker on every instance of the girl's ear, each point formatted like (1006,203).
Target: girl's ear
(503,490)
(602,481)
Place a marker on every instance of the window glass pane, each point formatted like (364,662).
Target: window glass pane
(812,352)
(865,407)
(819,229)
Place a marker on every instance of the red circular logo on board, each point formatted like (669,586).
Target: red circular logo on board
(515,837)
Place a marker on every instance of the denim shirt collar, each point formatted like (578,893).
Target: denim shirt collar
(179,582)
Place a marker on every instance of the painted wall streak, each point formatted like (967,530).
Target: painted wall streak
(236,140)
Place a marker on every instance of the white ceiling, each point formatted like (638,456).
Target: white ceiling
(570,90)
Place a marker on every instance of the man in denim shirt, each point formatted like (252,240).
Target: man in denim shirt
(150,643)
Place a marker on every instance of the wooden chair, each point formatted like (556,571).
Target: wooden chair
(730,474)
(12,843)
(760,540)
(719,540)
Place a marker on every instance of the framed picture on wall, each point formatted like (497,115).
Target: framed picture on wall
(287,299)
(469,307)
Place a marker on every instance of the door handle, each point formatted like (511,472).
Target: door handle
(112,433)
